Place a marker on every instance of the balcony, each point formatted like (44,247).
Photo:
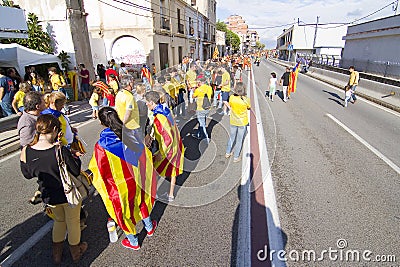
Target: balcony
(165,23)
(213,38)
(181,28)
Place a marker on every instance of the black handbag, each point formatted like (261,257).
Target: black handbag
(206,102)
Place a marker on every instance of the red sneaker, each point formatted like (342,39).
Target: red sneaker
(125,242)
(151,233)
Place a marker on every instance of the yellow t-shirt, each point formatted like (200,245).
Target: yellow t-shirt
(125,101)
(94,100)
(114,85)
(170,89)
(199,94)
(239,106)
(19,97)
(191,78)
(56,81)
(226,77)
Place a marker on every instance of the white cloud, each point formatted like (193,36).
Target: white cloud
(259,13)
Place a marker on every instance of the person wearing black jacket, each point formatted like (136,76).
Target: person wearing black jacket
(39,160)
(285,83)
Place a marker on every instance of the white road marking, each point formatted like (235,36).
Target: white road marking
(271,208)
(28,244)
(243,253)
(362,141)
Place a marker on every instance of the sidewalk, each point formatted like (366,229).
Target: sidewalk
(367,89)
(9,140)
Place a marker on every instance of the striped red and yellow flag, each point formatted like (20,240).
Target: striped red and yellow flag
(125,180)
(170,145)
(216,53)
(293,78)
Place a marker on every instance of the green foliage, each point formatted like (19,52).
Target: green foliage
(64,58)
(260,46)
(221,26)
(37,38)
(232,39)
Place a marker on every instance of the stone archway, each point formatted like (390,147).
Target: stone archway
(129,50)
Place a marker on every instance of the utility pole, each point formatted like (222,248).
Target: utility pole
(315,34)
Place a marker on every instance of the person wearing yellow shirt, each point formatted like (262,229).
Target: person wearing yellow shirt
(202,93)
(353,82)
(113,83)
(239,120)
(128,111)
(18,101)
(225,90)
(191,82)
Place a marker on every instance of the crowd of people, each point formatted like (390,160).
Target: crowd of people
(140,139)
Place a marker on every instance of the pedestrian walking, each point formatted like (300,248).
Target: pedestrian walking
(272,86)
(348,95)
(285,83)
(124,178)
(353,82)
(143,110)
(191,82)
(225,90)
(169,155)
(238,120)
(39,160)
(201,94)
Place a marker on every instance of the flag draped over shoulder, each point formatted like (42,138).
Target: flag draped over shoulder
(63,121)
(170,143)
(125,180)
(146,73)
(216,53)
(293,78)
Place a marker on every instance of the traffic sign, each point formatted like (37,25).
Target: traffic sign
(290,47)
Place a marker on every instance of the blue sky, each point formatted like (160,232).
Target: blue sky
(261,14)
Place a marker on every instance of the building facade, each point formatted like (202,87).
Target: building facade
(248,38)
(305,39)
(373,46)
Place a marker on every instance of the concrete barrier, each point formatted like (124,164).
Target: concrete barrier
(9,122)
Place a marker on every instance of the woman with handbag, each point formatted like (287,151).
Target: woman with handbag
(39,160)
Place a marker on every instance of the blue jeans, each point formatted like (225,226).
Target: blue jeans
(7,109)
(238,133)
(216,94)
(353,95)
(148,225)
(181,109)
(202,119)
(105,102)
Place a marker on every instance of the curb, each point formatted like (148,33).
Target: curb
(370,98)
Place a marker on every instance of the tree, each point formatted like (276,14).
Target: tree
(260,46)
(231,38)
(37,38)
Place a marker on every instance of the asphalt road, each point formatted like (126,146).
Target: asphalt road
(328,185)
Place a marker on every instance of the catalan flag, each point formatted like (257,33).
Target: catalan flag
(125,180)
(293,78)
(170,144)
(146,73)
(216,53)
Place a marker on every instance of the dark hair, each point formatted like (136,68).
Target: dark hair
(109,118)
(351,67)
(2,71)
(31,100)
(82,65)
(45,124)
(10,70)
(152,96)
(240,89)
(122,64)
(273,74)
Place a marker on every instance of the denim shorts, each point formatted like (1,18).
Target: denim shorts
(85,87)
(225,96)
